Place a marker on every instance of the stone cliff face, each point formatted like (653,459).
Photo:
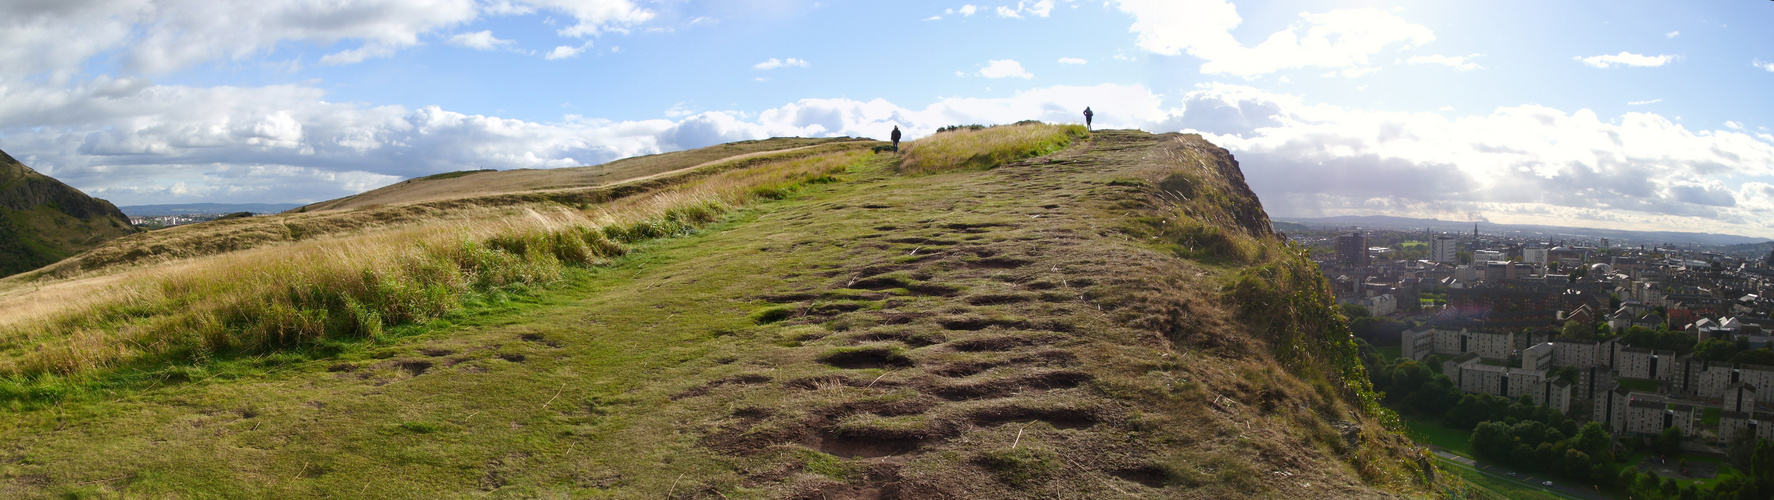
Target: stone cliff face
(43,220)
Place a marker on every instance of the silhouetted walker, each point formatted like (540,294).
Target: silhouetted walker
(896,138)
(1087,115)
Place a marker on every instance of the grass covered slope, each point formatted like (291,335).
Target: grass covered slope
(405,206)
(43,220)
(1046,327)
(481,183)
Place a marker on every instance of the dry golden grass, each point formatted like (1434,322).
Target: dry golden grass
(968,149)
(641,175)
(353,286)
(473,184)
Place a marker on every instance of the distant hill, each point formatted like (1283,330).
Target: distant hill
(43,220)
(1618,237)
(205,208)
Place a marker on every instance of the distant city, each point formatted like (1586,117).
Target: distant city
(163,216)
(1641,338)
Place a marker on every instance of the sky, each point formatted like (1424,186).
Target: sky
(1620,114)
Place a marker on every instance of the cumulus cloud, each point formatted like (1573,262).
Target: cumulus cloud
(1203,28)
(1624,58)
(1642,103)
(1460,63)
(566,51)
(1072,60)
(964,11)
(1037,8)
(1004,68)
(774,63)
(480,40)
(1764,65)
(1524,163)
(56,39)
(1672,34)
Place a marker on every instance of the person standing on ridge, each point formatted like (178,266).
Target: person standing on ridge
(1087,115)
(896,138)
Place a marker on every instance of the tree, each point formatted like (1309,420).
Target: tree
(1649,481)
(1755,357)
(1716,350)
(1492,440)
(1761,464)
(1628,477)
(1669,442)
(1595,441)
(1352,311)
(1575,330)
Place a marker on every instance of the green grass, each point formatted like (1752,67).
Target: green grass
(1432,432)
(1501,487)
(1389,353)
(969,149)
(1710,418)
(1638,385)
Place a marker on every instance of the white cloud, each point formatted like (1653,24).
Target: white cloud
(774,63)
(1672,34)
(1004,68)
(596,16)
(1446,108)
(1733,125)
(1072,60)
(1460,63)
(1764,65)
(1202,28)
(1642,103)
(479,40)
(1625,59)
(1526,164)
(1351,72)
(964,11)
(1038,8)
(357,55)
(57,39)
(566,51)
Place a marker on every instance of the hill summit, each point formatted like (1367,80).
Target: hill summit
(43,220)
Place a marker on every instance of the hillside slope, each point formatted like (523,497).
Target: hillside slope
(479,183)
(43,220)
(1113,319)
(483,195)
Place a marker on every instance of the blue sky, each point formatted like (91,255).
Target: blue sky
(1630,115)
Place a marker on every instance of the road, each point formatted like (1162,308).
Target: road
(1499,472)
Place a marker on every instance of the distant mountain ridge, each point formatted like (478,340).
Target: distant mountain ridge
(43,220)
(1617,235)
(205,208)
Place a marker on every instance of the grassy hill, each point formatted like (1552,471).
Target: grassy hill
(43,220)
(1018,312)
(481,183)
(459,196)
